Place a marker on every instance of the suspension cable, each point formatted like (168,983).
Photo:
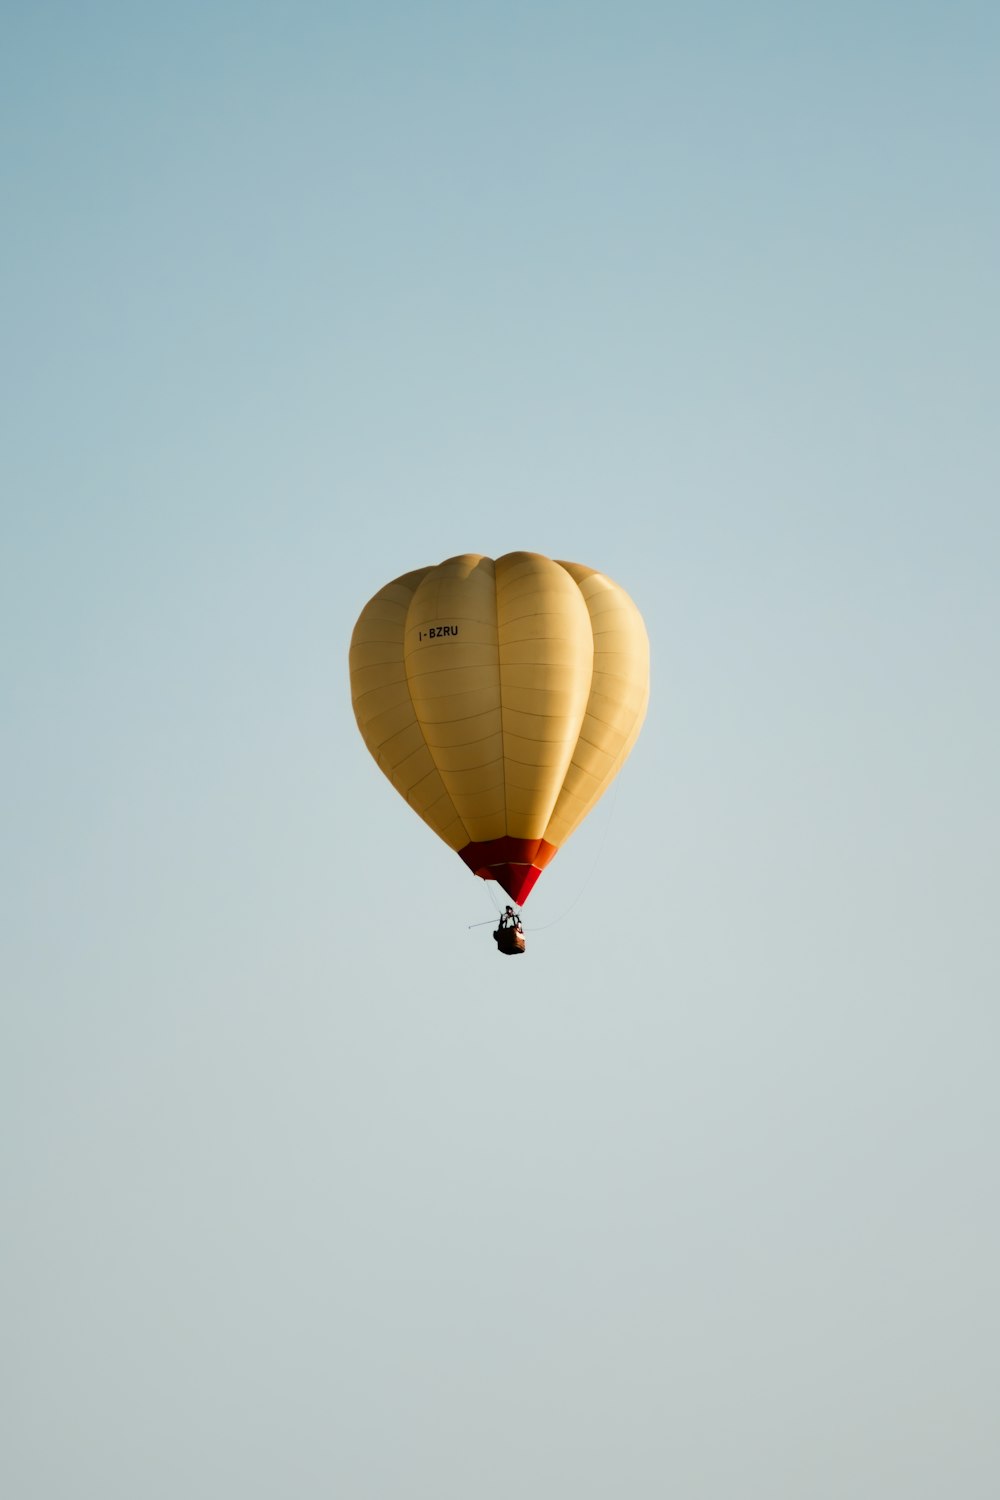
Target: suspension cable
(593,868)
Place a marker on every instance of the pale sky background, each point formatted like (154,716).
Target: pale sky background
(307,1192)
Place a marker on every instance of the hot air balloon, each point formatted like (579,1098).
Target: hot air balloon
(501,698)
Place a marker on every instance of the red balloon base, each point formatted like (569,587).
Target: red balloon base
(515,864)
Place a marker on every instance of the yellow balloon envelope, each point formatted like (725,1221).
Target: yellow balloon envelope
(501,699)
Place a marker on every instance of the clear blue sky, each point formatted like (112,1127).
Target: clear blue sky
(307,1192)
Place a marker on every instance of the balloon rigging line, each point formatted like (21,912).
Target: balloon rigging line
(593,869)
(496,907)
